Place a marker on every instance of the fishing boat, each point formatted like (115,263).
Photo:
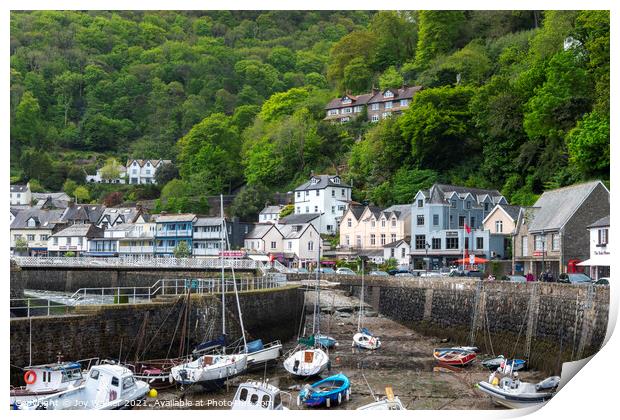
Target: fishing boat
(107,387)
(389,402)
(308,358)
(260,354)
(363,338)
(502,362)
(48,379)
(329,391)
(211,371)
(459,356)
(512,393)
(255,395)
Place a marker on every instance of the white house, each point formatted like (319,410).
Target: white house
(74,238)
(207,239)
(140,171)
(600,252)
(113,216)
(265,237)
(302,240)
(21,195)
(34,226)
(270,214)
(99,179)
(398,250)
(325,195)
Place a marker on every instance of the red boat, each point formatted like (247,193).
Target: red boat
(454,356)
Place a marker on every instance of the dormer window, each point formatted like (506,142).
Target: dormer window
(31,223)
(346,100)
(468,204)
(388,94)
(336,180)
(314,181)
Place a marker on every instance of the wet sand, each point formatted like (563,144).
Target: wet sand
(404,362)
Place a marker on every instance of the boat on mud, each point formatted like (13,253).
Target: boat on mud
(513,393)
(455,356)
(329,392)
(364,338)
(389,402)
(255,395)
(502,362)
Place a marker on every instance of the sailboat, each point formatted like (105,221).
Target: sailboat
(308,358)
(364,338)
(211,371)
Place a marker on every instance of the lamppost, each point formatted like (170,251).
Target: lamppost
(544,239)
(426,247)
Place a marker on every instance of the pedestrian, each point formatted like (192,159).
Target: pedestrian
(529,277)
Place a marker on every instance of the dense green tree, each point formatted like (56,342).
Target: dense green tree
(391,78)
(28,128)
(589,145)
(437,34)
(81,194)
(166,173)
(250,201)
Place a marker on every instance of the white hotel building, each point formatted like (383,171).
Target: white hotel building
(324,194)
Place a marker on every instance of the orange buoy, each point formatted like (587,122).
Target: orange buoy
(30,377)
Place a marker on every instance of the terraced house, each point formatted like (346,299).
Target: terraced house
(376,104)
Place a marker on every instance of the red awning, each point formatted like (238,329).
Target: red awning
(477,260)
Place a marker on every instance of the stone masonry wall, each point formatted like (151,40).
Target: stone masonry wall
(154,329)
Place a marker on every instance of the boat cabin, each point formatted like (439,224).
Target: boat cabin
(45,378)
(107,383)
(257,396)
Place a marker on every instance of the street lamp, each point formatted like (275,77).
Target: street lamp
(426,247)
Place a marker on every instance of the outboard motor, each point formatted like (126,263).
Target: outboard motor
(183,374)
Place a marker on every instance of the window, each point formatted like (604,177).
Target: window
(402,252)
(31,223)
(374,118)
(435,220)
(453,204)
(404,102)
(55,241)
(349,223)
(298,194)
(479,243)
(347,242)
(94,374)
(472,222)
(345,119)
(290,245)
(372,223)
(68,241)
(318,192)
(30,237)
(452,243)
(486,206)
(348,110)
(555,241)
(342,192)
(388,94)
(332,112)
(392,252)
(538,243)
(420,220)
(461,221)
(386,115)
(499,226)
(383,239)
(346,100)
(357,109)
(114,381)
(602,237)
(310,246)
(374,107)
(420,203)
(148,171)
(468,204)
(243,396)
(254,399)
(333,193)
(265,401)
(307,193)
(436,243)
(298,210)
(524,246)
(372,239)
(388,105)
(393,237)
(420,242)
(358,240)
(43,237)
(316,209)
(307,209)
(393,221)
(273,244)
(382,222)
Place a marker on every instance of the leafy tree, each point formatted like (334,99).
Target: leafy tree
(166,173)
(35,186)
(182,250)
(250,201)
(27,128)
(357,46)
(282,58)
(589,145)
(438,32)
(81,194)
(113,199)
(283,103)
(21,245)
(111,169)
(287,210)
(357,77)
(391,78)
(396,37)
(36,164)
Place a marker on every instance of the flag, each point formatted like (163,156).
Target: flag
(467,228)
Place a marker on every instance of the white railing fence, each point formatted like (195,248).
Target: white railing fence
(141,262)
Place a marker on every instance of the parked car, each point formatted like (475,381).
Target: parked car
(300,270)
(430,274)
(404,274)
(602,281)
(378,273)
(345,271)
(517,279)
(474,273)
(574,278)
(394,272)
(325,270)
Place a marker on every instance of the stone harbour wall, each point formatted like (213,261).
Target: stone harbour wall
(153,330)
(545,323)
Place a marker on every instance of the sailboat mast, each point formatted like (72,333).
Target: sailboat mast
(222,262)
(359,315)
(245,344)
(318,284)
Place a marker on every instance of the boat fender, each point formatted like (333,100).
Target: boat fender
(328,402)
(298,400)
(112,395)
(339,398)
(30,377)
(347,396)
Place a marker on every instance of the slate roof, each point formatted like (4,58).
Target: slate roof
(83,212)
(558,206)
(438,193)
(169,218)
(259,230)
(406,92)
(357,210)
(292,231)
(271,209)
(142,162)
(17,188)
(400,210)
(46,219)
(512,211)
(126,214)
(208,221)
(603,222)
(324,181)
(83,230)
(298,219)
(376,211)
(406,239)
(356,100)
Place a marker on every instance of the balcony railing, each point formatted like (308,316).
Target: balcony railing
(184,233)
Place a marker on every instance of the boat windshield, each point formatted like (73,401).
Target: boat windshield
(277,400)
(128,382)
(243,395)
(94,374)
(71,375)
(265,401)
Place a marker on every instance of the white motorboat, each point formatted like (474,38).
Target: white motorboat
(107,387)
(45,380)
(364,338)
(384,404)
(513,393)
(306,362)
(260,354)
(254,395)
(211,370)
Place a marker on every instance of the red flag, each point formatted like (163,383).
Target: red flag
(467,228)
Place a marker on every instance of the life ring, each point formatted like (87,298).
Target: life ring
(30,377)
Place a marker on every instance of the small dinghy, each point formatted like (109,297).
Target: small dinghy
(329,391)
(501,362)
(389,402)
(365,340)
(254,395)
(108,387)
(156,372)
(455,356)
(512,393)
(260,354)
(307,362)
(326,341)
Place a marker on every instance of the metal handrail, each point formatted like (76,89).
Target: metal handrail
(140,262)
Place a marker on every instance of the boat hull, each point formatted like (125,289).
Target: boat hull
(330,391)
(366,341)
(211,372)
(454,356)
(514,400)
(268,355)
(303,365)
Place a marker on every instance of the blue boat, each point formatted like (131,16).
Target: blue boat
(500,362)
(326,341)
(329,391)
